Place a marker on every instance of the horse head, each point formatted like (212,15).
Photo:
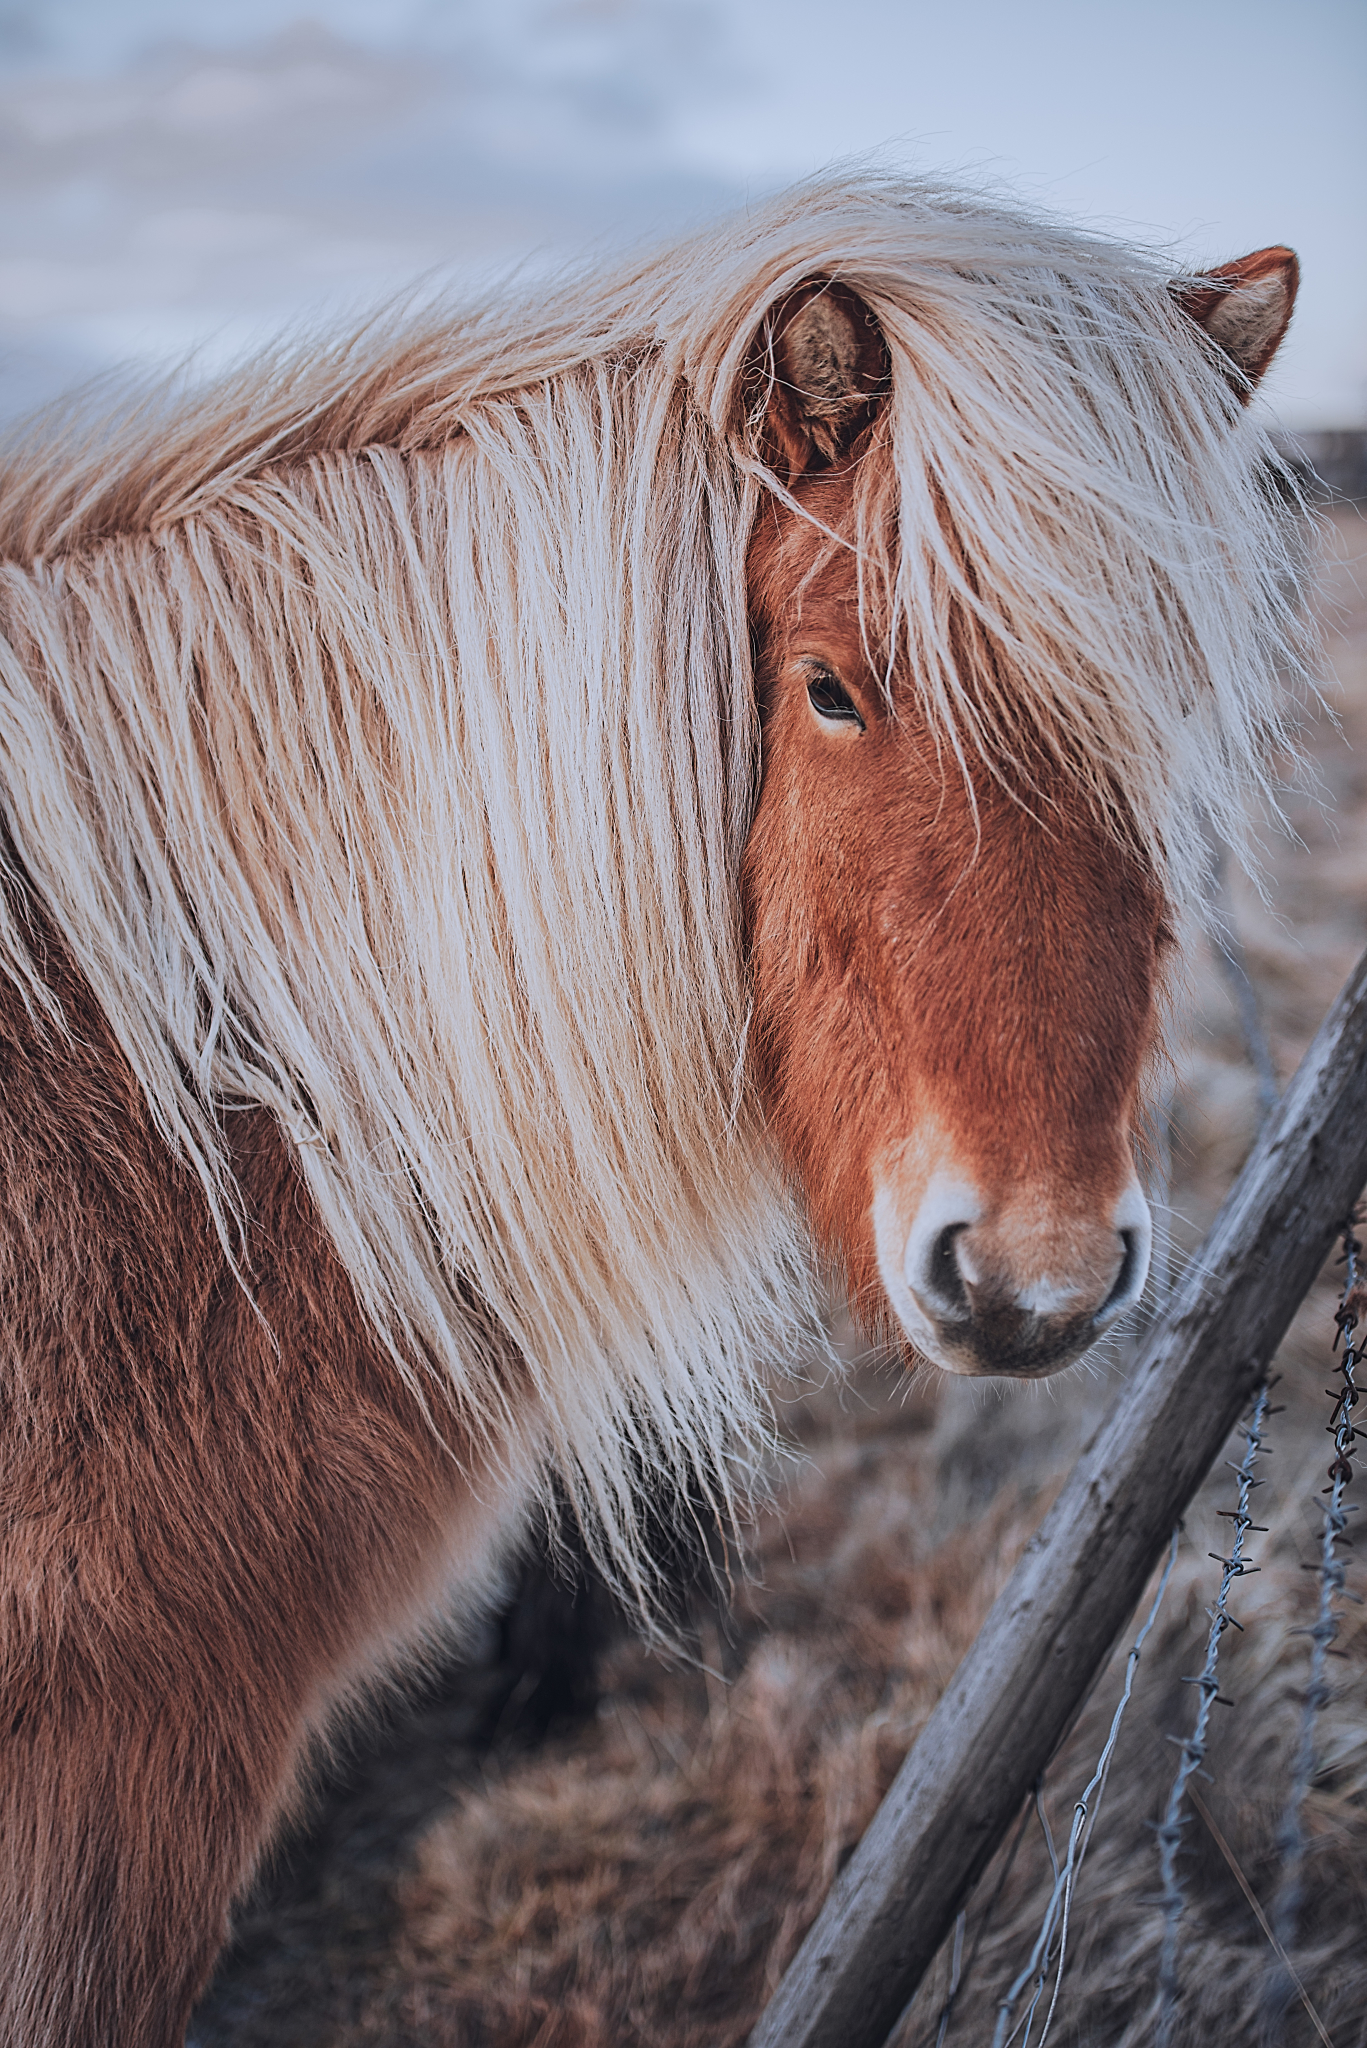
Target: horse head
(958,957)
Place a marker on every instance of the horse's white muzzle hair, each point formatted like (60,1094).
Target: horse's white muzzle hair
(1018,1287)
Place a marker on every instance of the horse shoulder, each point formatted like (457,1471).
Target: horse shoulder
(223,1509)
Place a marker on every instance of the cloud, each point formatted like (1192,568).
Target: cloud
(180,193)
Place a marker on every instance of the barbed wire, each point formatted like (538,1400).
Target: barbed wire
(1235,1566)
(1331,1570)
(1042,1956)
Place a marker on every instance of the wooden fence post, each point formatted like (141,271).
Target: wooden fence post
(1052,1627)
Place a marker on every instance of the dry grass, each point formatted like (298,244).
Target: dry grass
(646,1881)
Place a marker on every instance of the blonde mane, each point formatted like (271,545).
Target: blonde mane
(378,729)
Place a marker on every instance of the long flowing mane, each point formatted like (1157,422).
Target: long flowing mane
(378,729)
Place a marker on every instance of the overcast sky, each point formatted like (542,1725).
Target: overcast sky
(180,175)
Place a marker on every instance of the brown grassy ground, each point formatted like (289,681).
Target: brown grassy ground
(642,1877)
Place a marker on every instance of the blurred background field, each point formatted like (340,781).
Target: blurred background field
(562,1841)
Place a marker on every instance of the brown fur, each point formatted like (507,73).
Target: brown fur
(215,1521)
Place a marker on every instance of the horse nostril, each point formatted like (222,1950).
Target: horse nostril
(945,1280)
(1129,1281)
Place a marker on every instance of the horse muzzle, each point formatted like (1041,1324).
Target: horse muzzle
(1018,1288)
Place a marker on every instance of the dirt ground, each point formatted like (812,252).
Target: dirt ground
(571,1843)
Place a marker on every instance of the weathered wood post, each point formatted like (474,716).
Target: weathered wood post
(1052,1628)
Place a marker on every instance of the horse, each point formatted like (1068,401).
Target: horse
(537,838)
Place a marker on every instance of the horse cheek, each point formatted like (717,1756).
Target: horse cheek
(816,1000)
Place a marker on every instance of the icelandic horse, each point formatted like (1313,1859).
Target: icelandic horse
(517,834)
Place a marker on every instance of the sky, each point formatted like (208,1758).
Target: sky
(178,177)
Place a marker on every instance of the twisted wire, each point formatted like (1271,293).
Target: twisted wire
(1291,1838)
(1193,1749)
(1085,1814)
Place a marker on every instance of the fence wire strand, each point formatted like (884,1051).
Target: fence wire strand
(1235,1566)
(954,1980)
(960,1979)
(1291,1838)
(1232,961)
(1042,1957)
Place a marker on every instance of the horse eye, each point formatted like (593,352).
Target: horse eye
(830,699)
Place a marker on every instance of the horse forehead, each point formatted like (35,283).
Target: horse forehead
(805,555)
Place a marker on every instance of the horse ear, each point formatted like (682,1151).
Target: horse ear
(822,367)
(1245,308)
